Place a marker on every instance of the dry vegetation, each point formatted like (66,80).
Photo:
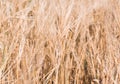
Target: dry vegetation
(59,42)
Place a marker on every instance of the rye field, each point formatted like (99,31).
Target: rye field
(59,41)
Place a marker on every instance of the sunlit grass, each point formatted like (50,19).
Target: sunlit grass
(59,42)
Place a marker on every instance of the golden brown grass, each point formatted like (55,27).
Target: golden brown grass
(59,42)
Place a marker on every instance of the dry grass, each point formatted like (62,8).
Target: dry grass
(59,42)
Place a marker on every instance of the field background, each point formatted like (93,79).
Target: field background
(59,41)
